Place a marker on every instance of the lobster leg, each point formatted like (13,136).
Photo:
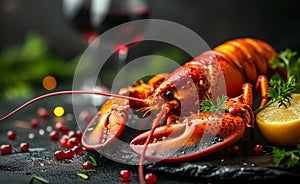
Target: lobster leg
(262,86)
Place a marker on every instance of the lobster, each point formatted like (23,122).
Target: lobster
(242,62)
(175,101)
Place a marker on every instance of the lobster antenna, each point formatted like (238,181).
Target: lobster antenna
(65,93)
(142,157)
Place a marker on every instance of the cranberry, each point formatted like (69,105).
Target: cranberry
(62,127)
(59,155)
(258,148)
(151,178)
(24,147)
(125,175)
(54,135)
(78,150)
(73,141)
(69,154)
(43,113)
(34,123)
(72,133)
(87,165)
(64,140)
(11,135)
(235,149)
(78,134)
(6,149)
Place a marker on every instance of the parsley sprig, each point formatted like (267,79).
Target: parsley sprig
(209,106)
(290,60)
(279,90)
(288,158)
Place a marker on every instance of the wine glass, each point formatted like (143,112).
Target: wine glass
(91,18)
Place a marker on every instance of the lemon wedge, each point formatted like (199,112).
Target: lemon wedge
(280,125)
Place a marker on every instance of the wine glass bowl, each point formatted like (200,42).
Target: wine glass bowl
(94,17)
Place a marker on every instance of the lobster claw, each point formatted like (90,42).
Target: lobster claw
(107,125)
(193,138)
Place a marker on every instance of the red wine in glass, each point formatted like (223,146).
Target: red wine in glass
(94,17)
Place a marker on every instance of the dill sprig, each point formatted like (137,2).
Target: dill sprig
(288,158)
(209,106)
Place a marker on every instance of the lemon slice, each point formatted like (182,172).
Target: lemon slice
(281,126)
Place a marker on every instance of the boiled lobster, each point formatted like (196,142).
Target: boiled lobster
(175,100)
(241,61)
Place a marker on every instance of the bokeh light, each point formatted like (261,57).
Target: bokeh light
(59,111)
(49,82)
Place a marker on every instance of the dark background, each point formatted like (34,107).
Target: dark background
(276,22)
(216,21)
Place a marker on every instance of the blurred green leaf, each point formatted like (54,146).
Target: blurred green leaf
(23,67)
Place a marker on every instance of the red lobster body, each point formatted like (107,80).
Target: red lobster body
(237,61)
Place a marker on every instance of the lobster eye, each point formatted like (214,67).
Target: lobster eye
(168,94)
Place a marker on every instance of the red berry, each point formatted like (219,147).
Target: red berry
(24,147)
(78,150)
(87,165)
(258,148)
(54,135)
(62,128)
(6,149)
(64,140)
(11,135)
(34,123)
(125,175)
(151,178)
(72,133)
(78,134)
(235,149)
(58,125)
(69,154)
(43,113)
(59,155)
(73,141)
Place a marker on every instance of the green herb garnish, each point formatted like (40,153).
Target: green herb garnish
(87,170)
(209,106)
(290,61)
(82,175)
(288,158)
(93,160)
(280,91)
(32,178)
